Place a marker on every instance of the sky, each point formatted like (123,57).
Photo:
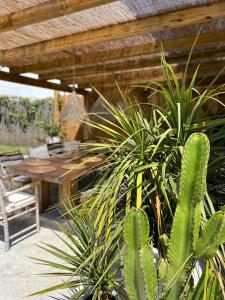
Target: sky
(15,89)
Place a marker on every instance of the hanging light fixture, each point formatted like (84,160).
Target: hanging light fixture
(74,109)
(99,108)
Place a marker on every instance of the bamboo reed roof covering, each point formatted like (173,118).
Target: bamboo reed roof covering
(112,40)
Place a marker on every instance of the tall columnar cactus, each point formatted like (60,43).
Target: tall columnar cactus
(185,245)
(141,278)
(186,223)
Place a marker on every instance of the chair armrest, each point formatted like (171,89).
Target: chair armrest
(4,177)
(23,188)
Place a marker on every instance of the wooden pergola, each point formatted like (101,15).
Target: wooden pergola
(112,40)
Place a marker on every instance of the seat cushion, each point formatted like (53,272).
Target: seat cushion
(18,197)
(39,152)
(22,179)
(71,146)
(18,200)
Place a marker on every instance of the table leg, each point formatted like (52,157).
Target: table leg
(67,189)
(44,195)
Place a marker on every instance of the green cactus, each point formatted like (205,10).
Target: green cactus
(185,245)
(140,273)
(212,237)
(186,222)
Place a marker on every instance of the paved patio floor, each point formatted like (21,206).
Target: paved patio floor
(17,272)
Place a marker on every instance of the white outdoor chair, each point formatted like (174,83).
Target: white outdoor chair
(11,160)
(38,152)
(56,148)
(14,204)
(71,146)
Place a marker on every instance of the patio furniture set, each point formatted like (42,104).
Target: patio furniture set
(36,173)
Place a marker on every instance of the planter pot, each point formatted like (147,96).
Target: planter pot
(53,139)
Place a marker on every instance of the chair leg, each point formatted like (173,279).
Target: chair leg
(37,215)
(37,219)
(6,236)
(37,212)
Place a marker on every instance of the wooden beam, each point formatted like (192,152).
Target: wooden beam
(207,69)
(101,69)
(37,83)
(137,63)
(150,48)
(45,11)
(176,19)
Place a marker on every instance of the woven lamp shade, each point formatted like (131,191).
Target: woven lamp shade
(74,110)
(99,109)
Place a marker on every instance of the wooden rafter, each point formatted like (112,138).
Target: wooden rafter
(45,11)
(101,69)
(207,69)
(157,23)
(37,83)
(138,63)
(150,48)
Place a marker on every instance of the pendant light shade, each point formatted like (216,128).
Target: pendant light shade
(99,109)
(74,109)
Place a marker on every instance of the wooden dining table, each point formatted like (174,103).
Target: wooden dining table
(55,170)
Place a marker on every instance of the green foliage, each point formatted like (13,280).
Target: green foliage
(144,144)
(60,102)
(186,222)
(90,265)
(24,112)
(11,149)
(213,235)
(51,128)
(140,273)
(185,246)
(184,101)
(137,147)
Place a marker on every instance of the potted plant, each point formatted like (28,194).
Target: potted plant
(52,130)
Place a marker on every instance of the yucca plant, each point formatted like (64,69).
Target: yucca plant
(144,145)
(188,243)
(89,270)
(144,150)
(184,100)
(136,146)
(183,111)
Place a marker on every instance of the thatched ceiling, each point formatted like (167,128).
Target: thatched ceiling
(39,35)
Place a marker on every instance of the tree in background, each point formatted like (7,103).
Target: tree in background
(20,118)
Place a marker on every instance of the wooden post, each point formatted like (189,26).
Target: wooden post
(55,111)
